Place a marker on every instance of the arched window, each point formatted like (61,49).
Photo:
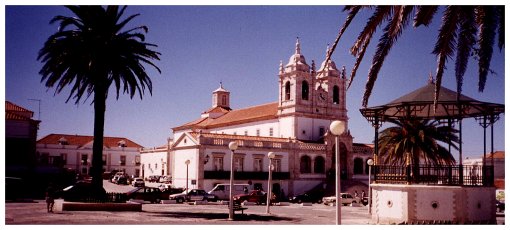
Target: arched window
(358,165)
(304,90)
(287,91)
(305,164)
(319,164)
(336,95)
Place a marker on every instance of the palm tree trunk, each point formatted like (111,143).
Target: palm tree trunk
(97,147)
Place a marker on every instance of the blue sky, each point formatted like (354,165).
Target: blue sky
(240,46)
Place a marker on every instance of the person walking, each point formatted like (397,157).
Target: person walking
(50,197)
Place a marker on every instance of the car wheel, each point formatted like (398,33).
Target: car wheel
(299,201)
(180,200)
(158,201)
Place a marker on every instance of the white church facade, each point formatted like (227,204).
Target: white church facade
(295,128)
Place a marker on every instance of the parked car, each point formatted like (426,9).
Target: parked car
(165,179)
(257,196)
(313,197)
(153,178)
(193,195)
(151,194)
(500,206)
(346,199)
(138,182)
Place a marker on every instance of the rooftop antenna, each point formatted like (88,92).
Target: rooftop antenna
(39,102)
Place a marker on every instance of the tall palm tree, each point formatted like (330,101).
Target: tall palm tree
(415,142)
(88,54)
(464,30)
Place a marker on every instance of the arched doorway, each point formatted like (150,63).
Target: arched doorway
(358,166)
(343,160)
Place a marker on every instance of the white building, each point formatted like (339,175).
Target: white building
(75,152)
(295,128)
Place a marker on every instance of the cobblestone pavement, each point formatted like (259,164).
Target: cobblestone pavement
(184,214)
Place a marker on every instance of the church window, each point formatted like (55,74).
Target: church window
(246,132)
(304,90)
(287,91)
(358,165)
(336,95)
(270,132)
(277,165)
(305,164)
(258,132)
(319,165)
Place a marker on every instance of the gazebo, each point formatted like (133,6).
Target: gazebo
(446,194)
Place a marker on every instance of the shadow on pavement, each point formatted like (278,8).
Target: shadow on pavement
(220,216)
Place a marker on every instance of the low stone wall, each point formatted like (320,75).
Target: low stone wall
(394,204)
(61,205)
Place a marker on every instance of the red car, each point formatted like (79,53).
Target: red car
(257,196)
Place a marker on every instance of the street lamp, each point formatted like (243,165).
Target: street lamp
(370,162)
(271,156)
(187,164)
(337,128)
(232,146)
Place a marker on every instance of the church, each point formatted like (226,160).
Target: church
(295,128)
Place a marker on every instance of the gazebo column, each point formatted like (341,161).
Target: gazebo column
(461,168)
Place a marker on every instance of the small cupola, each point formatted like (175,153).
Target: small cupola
(62,141)
(122,143)
(328,69)
(221,97)
(297,61)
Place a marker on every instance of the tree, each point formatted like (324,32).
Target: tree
(89,53)
(415,142)
(465,30)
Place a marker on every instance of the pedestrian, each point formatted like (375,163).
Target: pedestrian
(355,193)
(245,190)
(50,197)
(362,193)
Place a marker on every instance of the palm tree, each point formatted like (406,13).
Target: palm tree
(466,30)
(415,142)
(89,53)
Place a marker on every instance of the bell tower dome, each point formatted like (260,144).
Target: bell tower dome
(221,97)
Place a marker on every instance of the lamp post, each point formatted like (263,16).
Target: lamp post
(187,164)
(271,156)
(370,162)
(337,128)
(232,146)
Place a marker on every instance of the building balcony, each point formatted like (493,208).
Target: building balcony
(225,175)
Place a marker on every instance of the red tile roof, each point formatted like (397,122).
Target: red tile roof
(16,112)
(497,155)
(234,117)
(80,140)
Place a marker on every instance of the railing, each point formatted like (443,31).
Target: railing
(246,175)
(466,175)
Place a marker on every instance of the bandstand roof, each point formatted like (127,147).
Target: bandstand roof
(420,104)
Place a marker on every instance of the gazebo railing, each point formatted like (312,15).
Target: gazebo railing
(466,175)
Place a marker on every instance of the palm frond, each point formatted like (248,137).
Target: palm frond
(445,44)
(379,16)
(391,33)
(424,15)
(486,18)
(466,40)
(500,11)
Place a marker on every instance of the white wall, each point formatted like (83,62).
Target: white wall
(154,162)
(74,156)
(411,203)
(179,167)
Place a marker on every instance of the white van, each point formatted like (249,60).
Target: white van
(222,191)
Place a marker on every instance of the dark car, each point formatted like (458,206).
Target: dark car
(151,194)
(80,191)
(257,196)
(500,206)
(313,197)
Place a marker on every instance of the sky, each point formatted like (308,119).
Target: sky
(240,46)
